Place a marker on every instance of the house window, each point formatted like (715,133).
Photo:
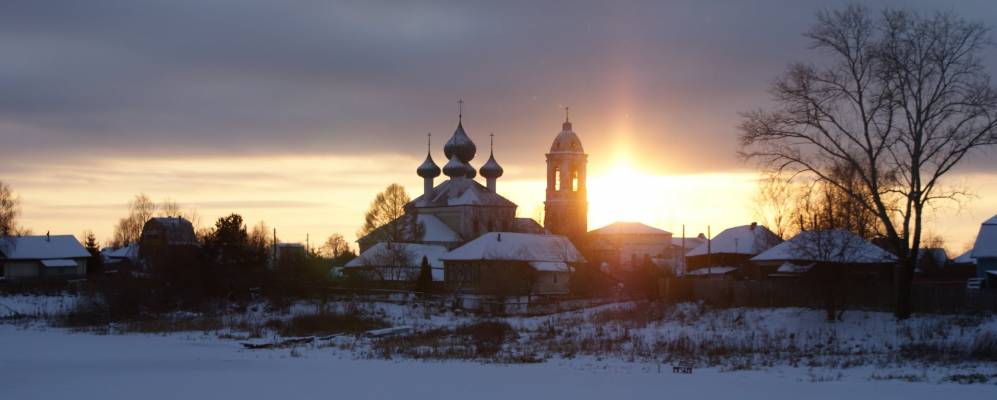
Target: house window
(557,180)
(574,181)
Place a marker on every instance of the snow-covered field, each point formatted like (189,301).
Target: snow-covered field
(603,352)
(55,364)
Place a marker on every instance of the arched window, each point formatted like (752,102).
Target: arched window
(557,179)
(574,181)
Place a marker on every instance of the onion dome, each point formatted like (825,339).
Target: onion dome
(471,171)
(455,168)
(566,141)
(428,169)
(491,169)
(460,144)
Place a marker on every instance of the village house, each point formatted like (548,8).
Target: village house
(166,241)
(508,263)
(623,246)
(807,252)
(730,252)
(985,252)
(286,254)
(396,264)
(42,257)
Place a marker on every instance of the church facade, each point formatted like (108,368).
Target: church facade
(453,213)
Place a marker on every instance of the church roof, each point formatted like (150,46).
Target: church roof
(566,141)
(461,192)
(428,169)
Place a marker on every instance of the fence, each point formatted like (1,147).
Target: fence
(871,296)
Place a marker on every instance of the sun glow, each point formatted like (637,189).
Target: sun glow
(626,193)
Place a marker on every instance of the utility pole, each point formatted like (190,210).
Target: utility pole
(709,252)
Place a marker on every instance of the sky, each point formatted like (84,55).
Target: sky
(299,112)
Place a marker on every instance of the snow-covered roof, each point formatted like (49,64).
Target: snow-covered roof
(790,268)
(986,240)
(124,252)
(550,266)
(965,258)
(745,239)
(461,192)
(629,228)
(434,230)
(42,247)
(527,225)
(386,254)
(690,242)
(59,263)
(712,271)
(838,246)
(511,246)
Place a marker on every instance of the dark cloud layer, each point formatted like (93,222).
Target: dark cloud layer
(191,77)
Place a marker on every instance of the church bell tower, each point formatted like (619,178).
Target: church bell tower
(566,207)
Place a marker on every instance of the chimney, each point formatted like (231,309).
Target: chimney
(48,237)
(499,237)
(754,225)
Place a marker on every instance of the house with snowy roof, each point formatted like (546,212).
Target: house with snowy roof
(733,247)
(120,258)
(835,248)
(511,263)
(42,257)
(396,264)
(623,246)
(985,251)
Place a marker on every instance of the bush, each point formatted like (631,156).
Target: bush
(487,336)
(330,323)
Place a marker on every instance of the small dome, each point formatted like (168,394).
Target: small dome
(455,168)
(471,171)
(491,169)
(428,169)
(566,141)
(460,144)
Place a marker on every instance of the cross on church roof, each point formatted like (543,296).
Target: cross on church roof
(460,109)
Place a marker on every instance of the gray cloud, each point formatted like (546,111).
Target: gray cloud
(189,77)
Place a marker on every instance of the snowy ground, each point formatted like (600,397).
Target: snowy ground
(601,353)
(52,363)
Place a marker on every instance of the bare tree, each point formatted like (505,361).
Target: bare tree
(335,246)
(388,206)
(129,229)
(169,208)
(259,236)
(902,99)
(10,210)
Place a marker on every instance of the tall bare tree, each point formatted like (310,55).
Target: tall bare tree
(387,206)
(10,209)
(901,98)
(129,229)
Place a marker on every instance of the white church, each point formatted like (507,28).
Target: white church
(469,232)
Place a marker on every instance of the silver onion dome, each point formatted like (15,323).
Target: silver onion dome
(491,169)
(460,144)
(428,169)
(455,168)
